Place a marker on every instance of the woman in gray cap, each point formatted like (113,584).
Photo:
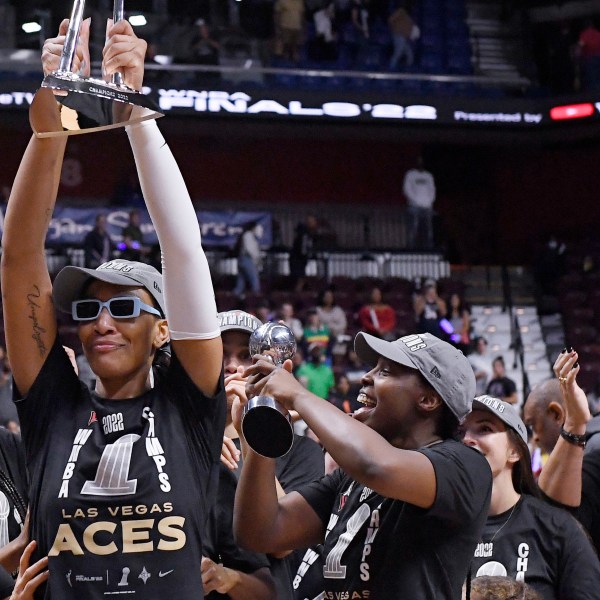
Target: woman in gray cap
(525,538)
(120,476)
(402,516)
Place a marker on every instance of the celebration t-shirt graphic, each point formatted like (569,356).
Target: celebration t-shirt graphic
(119,500)
(377,548)
(542,546)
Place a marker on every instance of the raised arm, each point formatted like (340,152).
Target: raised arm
(361,452)
(29,319)
(272,525)
(189,296)
(560,478)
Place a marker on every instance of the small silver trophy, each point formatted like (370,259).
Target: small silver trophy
(266,424)
(93,104)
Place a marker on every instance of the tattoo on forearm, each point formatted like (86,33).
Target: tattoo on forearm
(37,330)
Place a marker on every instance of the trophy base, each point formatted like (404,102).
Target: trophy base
(267,427)
(92,105)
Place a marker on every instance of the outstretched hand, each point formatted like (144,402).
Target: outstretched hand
(566,368)
(124,52)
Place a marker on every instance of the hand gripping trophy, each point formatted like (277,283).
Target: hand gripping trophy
(89,104)
(266,424)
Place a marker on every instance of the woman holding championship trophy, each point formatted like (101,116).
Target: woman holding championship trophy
(120,476)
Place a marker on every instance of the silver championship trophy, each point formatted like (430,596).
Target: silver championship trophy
(89,104)
(266,424)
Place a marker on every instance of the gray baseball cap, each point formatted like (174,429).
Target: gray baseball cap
(238,320)
(71,281)
(444,367)
(504,411)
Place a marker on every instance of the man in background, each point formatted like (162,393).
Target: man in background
(419,190)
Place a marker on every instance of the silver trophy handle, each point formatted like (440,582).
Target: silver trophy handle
(68,53)
(118,15)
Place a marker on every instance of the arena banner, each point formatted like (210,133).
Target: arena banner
(345,105)
(69,226)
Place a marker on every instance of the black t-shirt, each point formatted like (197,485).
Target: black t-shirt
(379,548)
(219,544)
(543,546)
(13,486)
(308,581)
(501,387)
(13,497)
(120,489)
(303,464)
(588,512)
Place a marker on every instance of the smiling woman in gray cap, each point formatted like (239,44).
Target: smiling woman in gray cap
(402,516)
(120,476)
(524,538)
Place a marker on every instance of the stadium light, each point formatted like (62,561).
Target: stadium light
(138,20)
(31,27)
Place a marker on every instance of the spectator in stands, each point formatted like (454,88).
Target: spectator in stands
(482,364)
(588,49)
(316,376)
(333,317)
(205,49)
(330,314)
(316,332)
(497,587)
(549,264)
(419,190)
(323,47)
(264,311)
(289,28)
(249,260)
(97,244)
(560,561)
(361,14)
(459,316)
(343,397)
(501,386)
(430,308)
(4,193)
(378,318)
(302,250)
(402,28)
(132,247)
(286,314)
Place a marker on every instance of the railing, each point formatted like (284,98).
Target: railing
(324,264)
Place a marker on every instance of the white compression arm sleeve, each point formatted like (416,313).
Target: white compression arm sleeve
(189,295)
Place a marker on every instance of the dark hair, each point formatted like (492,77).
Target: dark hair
(162,358)
(522,474)
(499,359)
(448,423)
(321,296)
